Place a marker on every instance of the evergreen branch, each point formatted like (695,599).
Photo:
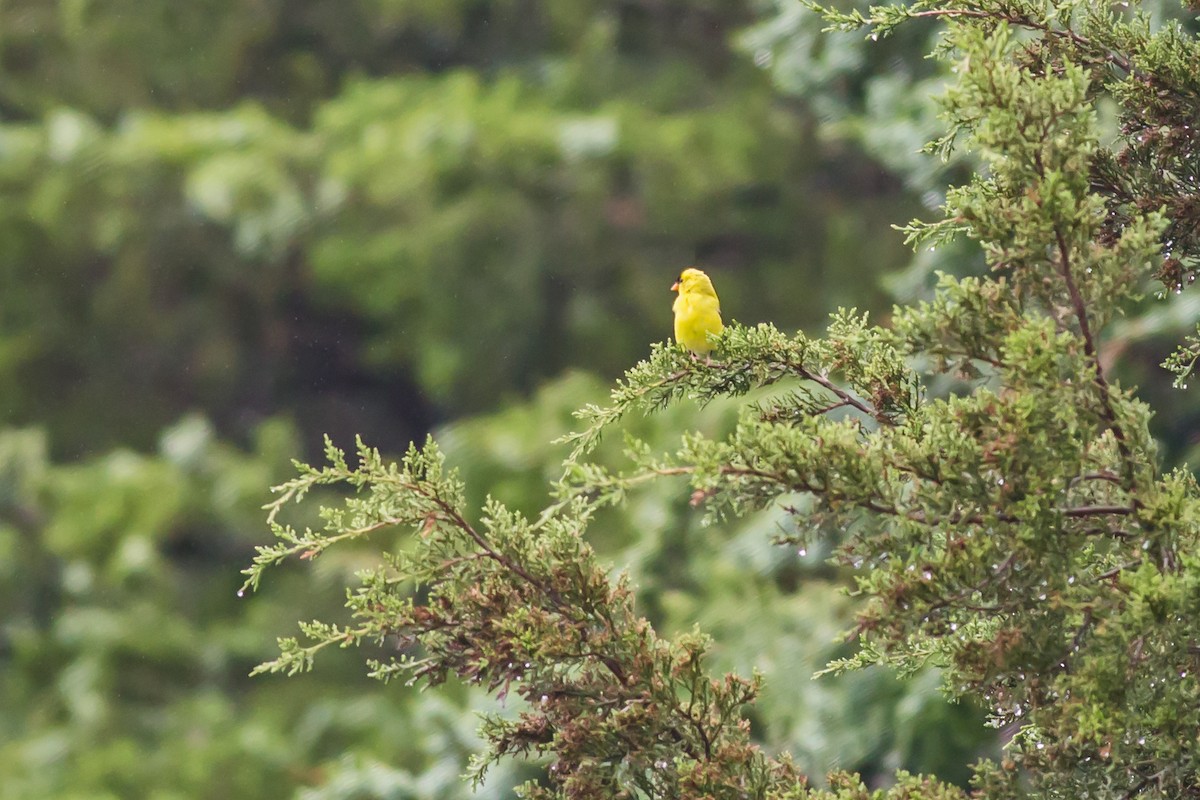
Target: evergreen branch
(1097,476)
(845,398)
(294,658)
(307,546)
(608,485)
(1089,344)
(453,516)
(1028,22)
(507,604)
(1182,362)
(1117,570)
(756,357)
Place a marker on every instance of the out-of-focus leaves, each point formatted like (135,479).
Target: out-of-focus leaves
(427,244)
(126,652)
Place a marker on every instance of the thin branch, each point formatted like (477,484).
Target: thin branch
(1083,628)
(874,504)
(1027,22)
(1115,571)
(845,397)
(823,410)
(1097,511)
(1089,346)
(452,515)
(1104,475)
(459,521)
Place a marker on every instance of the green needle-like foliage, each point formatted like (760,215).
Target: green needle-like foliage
(997,492)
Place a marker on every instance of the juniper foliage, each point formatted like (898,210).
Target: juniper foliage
(998,491)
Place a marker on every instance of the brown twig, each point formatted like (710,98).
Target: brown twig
(845,397)
(1089,346)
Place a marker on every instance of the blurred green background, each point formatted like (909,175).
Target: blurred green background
(230,226)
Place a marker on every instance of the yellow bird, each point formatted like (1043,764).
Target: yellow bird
(697,311)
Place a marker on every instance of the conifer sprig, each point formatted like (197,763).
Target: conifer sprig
(527,610)
(875,381)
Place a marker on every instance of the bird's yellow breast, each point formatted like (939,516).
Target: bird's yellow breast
(697,313)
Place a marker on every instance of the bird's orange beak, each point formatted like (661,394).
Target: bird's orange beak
(675,286)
